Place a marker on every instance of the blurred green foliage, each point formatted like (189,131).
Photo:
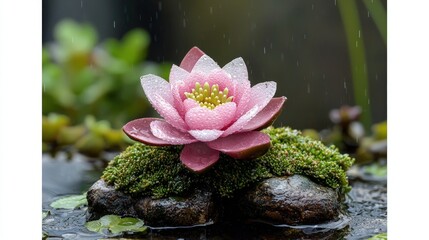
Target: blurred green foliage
(91,138)
(81,78)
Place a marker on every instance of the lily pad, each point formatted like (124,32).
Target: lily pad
(70,202)
(381,236)
(376,170)
(45,214)
(115,224)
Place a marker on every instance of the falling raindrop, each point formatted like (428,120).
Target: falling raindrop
(114,24)
(184,23)
(265,51)
(297,63)
(368,13)
(159,6)
(81,3)
(308,88)
(345,85)
(356,43)
(376,76)
(282,56)
(211,10)
(335,2)
(312,6)
(305,36)
(359,34)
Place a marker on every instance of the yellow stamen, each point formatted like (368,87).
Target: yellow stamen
(209,97)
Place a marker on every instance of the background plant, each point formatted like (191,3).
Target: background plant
(81,77)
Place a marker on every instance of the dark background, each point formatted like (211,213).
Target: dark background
(299,44)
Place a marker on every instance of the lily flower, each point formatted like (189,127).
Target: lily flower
(209,110)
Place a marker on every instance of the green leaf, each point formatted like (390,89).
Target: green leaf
(45,214)
(128,225)
(381,236)
(115,224)
(75,37)
(376,170)
(70,202)
(109,220)
(94,226)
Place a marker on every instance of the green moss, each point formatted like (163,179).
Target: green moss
(158,172)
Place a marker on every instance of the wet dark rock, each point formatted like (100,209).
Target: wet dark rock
(103,199)
(196,209)
(294,200)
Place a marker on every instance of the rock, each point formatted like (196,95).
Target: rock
(196,209)
(199,208)
(294,200)
(104,199)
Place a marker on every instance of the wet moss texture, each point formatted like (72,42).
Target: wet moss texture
(158,172)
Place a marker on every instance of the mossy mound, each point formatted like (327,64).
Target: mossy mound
(158,172)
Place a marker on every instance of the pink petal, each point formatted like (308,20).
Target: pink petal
(243,145)
(191,58)
(170,114)
(206,135)
(238,71)
(266,116)
(177,75)
(260,95)
(177,80)
(139,130)
(241,122)
(156,86)
(198,157)
(168,133)
(222,79)
(158,92)
(205,65)
(189,83)
(200,118)
(190,103)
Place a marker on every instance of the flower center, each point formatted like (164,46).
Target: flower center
(209,97)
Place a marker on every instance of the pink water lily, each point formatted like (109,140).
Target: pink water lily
(209,110)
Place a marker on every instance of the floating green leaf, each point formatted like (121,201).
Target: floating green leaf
(115,224)
(381,236)
(94,226)
(45,214)
(70,202)
(376,170)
